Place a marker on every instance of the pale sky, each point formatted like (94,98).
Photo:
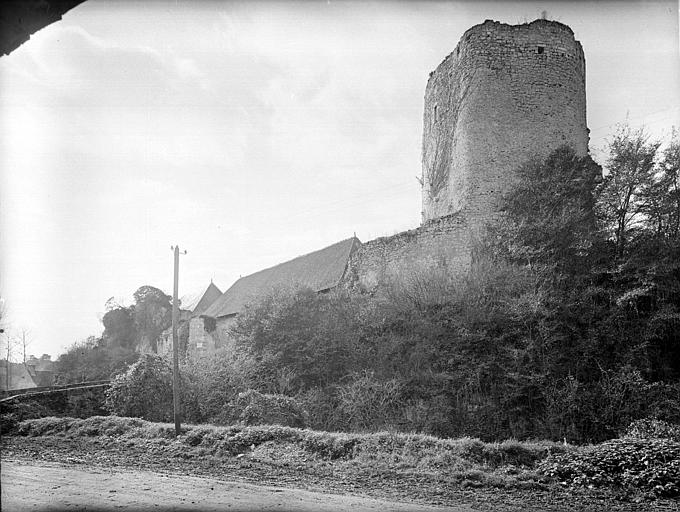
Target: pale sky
(248,134)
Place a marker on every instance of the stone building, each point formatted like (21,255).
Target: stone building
(15,376)
(505,95)
(41,370)
(34,372)
(320,271)
(190,305)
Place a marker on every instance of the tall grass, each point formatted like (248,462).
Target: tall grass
(414,450)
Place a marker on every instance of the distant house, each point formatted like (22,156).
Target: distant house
(320,271)
(190,305)
(41,370)
(14,376)
(31,374)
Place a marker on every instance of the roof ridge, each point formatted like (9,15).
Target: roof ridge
(295,259)
(320,270)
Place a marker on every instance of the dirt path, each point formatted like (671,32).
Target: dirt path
(51,486)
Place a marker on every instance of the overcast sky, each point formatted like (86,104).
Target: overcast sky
(249,134)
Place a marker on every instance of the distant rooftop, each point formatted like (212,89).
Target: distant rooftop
(197,303)
(319,270)
(19,376)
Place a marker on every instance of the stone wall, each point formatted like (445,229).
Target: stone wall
(506,93)
(444,241)
(204,340)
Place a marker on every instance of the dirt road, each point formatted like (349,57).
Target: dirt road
(50,486)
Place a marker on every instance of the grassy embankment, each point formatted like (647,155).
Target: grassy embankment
(630,465)
(497,464)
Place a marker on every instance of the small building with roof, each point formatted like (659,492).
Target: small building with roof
(190,305)
(15,376)
(34,372)
(41,369)
(321,271)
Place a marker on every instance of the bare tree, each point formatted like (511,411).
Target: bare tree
(8,345)
(6,342)
(24,341)
(3,314)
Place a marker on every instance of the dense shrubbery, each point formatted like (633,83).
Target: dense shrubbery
(79,404)
(637,464)
(253,408)
(499,358)
(566,326)
(653,429)
(143,391)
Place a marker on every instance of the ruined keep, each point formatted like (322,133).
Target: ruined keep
(506,93)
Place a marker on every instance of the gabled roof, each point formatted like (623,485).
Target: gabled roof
(197,303)
(320,270)
(20,378)
(211,294)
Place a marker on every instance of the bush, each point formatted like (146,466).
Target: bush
(255,408)
(368,403)
(86,403)
(634,464)
(653,429)
(11,413)
(214,381)
(323,408)
(143,391)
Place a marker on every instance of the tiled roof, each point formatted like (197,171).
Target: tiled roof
(211,294)
(319,270)
(197,303)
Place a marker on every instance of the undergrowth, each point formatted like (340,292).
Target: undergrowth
(646,458)
(465,459)
(641,461)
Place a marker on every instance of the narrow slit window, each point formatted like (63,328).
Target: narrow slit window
(434,114)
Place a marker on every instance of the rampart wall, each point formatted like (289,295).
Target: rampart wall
(444,241)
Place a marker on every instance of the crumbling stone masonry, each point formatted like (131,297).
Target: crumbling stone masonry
(506,94)
(442,242)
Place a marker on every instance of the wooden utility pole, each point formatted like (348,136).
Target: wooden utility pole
(175,344)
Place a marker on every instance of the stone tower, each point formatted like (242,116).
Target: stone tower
(506,94)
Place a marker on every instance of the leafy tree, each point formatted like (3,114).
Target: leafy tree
(92,359)
(119,327)
(303,339)
(629,178)
(152,315)
(549,213)
(661,197)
